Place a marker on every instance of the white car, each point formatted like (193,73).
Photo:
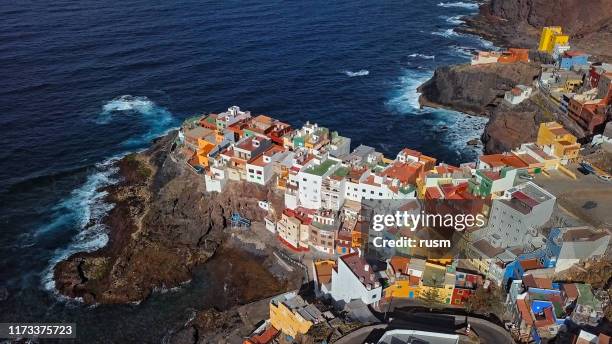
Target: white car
(605,177)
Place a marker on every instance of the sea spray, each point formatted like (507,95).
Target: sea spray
(423,56)
(84,210)
(362,72)
(461,4)
(86,206)
(406,96)
(139,108)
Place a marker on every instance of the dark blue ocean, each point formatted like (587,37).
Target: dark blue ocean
(83,82)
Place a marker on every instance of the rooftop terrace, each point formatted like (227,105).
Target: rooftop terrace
(321,168)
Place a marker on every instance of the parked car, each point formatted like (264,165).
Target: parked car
(605,177)
(526,176)
(583,170)
(587,167)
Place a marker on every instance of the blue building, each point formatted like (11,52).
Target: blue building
(573,58)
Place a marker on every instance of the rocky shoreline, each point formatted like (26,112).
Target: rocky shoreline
(510,23)
(162,226)
(479,90)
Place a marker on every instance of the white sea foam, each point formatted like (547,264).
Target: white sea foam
(460,128)
(362,72)
(158,119)
(455,20)
(451,127)
(448,33)
(84,209)
(463,51)
(423,56)
(468,5)
(406,97)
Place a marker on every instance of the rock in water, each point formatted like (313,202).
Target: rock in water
(473,142)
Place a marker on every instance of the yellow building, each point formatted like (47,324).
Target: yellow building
(290,314)
(436,277)
(403,285)
(571,85)
(552,36)
(556,140)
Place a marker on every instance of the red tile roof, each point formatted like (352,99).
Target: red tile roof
(523,308)
(400,264)
(404,172)
(358,266)
(530,264)
(263,338)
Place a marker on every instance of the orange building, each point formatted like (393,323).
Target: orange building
(514,55)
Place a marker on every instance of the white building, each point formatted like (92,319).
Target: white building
(515,218)
(215,178)
(261,169)
(485,57)
(293,231)
(417,337)
(355,280)
(559,49)
(231,116)
(518,94)
(310,180)
(570,245)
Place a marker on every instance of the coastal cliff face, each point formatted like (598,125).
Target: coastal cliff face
(162,226)
(519,22)
(479,90)
(474,89)
(509,127)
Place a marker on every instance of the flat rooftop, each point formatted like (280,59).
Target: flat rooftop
(322,168)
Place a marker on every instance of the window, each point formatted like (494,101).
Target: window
(374,296)
(251,170)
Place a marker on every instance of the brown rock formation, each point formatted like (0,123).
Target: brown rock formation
(162,225)
(519,23)
(474,89)
(480,90)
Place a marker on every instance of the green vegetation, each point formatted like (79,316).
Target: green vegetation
(341,171)
(431,298)
(485,301)
(407,189)
(138,169)
(322,168)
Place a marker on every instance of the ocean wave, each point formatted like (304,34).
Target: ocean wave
(468,5)
(84,210)
(462,51)
(460,128)
(455,20)
(429,57)
(158,118)
(448,33)
(406,97)
(362,72)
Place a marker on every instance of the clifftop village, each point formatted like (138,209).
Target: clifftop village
(516,257)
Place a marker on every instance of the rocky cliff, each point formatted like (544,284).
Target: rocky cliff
(162,226)
(474,89)
(479,90)
(519,22)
